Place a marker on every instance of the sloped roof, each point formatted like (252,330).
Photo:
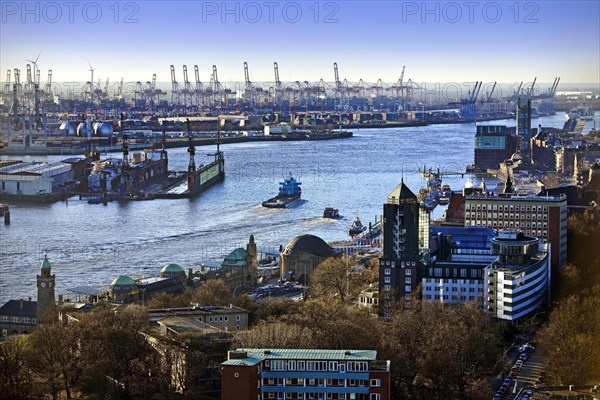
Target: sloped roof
(402,192)
(237,258)
(13,307)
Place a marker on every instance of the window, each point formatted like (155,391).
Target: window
(438,272)
(300,365)
(387,271)
(375,382)
(291,365)
(407,288)
(333,365)
(279,365)
(237,317)
(387,279)
(226,318)
(409,272)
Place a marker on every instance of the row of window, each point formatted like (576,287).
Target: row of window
(341,366)
(16,319)
(219,318)
(455,289)
(320,382)
(496,207)
(475,273)
(455,281)
(319,396)
(447,297)
(489,215)
(388,279)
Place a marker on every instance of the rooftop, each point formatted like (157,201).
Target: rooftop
(304,354)
(13,307)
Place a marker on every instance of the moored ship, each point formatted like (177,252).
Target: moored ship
(289,191)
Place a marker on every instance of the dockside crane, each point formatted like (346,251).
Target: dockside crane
(17,89)
(174,86)
(530,91)
(277,88)
(248,93)
(48,87)
(6,88)
(187,88)
(199,89)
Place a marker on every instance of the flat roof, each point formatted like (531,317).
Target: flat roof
(302,354)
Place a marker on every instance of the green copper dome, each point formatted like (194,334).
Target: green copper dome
(172,268)
(46,263)
(123,280)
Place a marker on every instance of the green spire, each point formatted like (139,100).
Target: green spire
(46,263)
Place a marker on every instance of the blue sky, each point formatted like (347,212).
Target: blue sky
(461,41)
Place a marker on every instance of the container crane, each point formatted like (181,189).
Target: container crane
(174,86)
(278,85)
(199,90)
(6,88)
(187,87)
(48,88)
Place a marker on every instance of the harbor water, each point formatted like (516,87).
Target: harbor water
(93,244)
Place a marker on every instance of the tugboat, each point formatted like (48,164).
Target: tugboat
(331,213)
(289,191)
(357,227)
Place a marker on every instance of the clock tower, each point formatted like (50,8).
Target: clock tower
(45,287)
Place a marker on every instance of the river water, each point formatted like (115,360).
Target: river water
(93,244)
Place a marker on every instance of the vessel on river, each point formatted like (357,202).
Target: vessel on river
(289,191)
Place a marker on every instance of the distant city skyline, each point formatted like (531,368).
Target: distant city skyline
(436,41)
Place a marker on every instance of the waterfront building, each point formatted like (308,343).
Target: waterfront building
(456,272)
(250,374)
(518,282)
(240,266)
(18,317)
(22,316)
(171,279)
(405,246)
(493,145)
(302,255)
(541,217)
(34,178)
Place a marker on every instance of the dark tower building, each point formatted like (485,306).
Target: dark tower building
(400,265)
(524,130)
(45,287)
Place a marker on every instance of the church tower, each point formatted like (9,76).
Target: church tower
(45,287)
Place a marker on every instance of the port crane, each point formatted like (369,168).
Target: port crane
(199,89)
(174,86)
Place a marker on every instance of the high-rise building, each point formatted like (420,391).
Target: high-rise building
(405,246)
(541,217)
(256,374)
(45,287)
(524,130)
(518,282)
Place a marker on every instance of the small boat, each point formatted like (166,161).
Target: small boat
(289,191)
(446,191)
(357,227)
(331,213)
